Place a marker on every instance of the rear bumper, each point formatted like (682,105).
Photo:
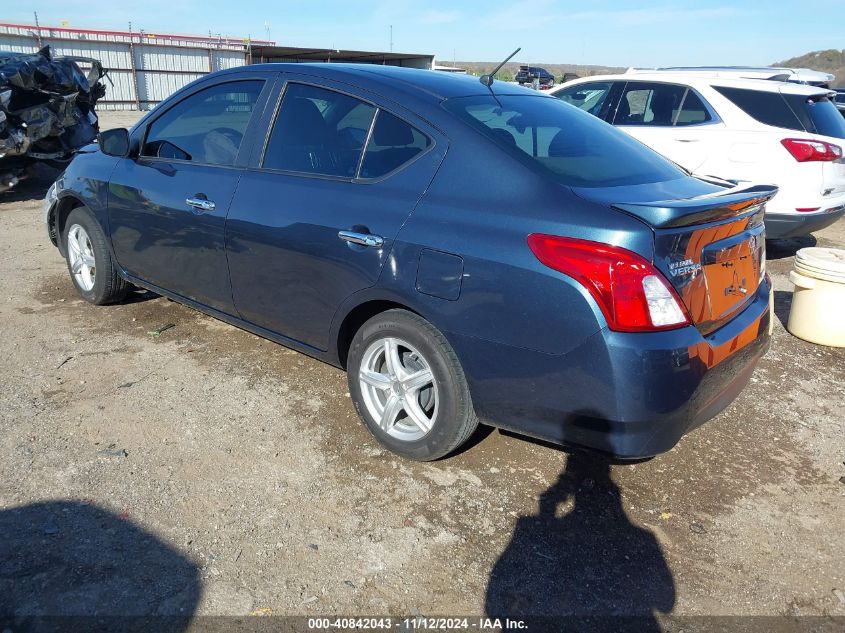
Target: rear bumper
(782,225)
(629,395)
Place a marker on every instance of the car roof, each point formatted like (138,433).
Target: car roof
(424,84)
(798,75)
(699,80)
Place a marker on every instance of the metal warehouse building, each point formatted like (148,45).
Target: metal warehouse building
(145,68)
(261,53)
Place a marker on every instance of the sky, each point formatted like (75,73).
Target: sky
(604,32)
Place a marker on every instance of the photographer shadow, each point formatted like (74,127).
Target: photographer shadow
(579,564)
(69,566)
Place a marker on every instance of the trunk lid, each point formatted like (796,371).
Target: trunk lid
(710,246)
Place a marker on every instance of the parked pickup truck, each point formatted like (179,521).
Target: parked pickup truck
(527,75)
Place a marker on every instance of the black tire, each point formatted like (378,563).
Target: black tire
(109,286)
(455,419)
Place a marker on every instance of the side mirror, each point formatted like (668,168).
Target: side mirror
(114,142)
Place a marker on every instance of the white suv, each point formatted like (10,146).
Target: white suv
(717,124)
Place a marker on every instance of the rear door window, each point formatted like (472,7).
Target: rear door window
(206,127)
(693,111)
(318,131)
(653,104)
(393,143)
(765,107)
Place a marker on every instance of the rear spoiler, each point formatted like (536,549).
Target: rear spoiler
(702,209)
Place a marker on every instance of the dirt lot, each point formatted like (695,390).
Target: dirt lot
(208,471)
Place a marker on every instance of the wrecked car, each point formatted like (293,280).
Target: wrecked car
(46,110)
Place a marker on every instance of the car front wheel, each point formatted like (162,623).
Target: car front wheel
(92,269)
(408,386)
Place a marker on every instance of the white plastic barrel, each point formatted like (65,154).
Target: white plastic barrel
(818,304)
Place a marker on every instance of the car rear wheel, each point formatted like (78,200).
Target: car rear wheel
(92,269)
(408,386)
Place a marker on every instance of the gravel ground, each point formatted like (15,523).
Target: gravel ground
(208,471)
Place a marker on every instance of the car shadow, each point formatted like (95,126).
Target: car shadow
(33,187)
(783,248)
(783,304)
(68,565)
(568,449)
(478,436)
(579,563)
(139,295)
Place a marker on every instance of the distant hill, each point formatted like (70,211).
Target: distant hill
(510,69)
(830,61)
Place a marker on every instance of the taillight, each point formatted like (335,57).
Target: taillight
(806,150)
(631,293)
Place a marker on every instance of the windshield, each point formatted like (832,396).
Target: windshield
(573,147)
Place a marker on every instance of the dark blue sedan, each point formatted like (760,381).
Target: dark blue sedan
(467,253)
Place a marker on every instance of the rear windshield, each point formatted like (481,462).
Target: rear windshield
(573,147)
(815,114)
(819,115)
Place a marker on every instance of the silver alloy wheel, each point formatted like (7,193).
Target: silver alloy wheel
(399,389)
(81,257)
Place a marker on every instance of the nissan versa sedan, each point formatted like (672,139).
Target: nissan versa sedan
(466,253)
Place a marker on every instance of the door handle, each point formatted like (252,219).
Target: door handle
(364,239)
(687,140)
(201,204)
